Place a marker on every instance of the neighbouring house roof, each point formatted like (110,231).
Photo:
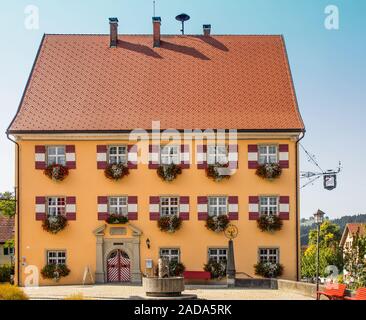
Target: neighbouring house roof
(80,84)
(6,228)
(352,228)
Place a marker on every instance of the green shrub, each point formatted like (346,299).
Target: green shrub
(217,269)
(176,269)
(6,271)
(10,292)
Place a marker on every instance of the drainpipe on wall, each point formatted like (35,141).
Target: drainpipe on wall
(17,253)
(298,264)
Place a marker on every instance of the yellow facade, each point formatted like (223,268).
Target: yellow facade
(86,183)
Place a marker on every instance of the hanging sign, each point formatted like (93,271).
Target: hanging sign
(330,181)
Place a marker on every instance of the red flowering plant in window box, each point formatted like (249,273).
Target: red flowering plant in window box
(269,171)
(169,172)
(54,224)
(169,223)
(218,171)
(56,172)
(217,223)
(116,171)
(269,223)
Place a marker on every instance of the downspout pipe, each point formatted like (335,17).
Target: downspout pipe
(298,263)
(17,193)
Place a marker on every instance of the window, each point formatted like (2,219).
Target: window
(218,255)
(267,154)
(118,205)
(170,254)
(268,205)
(56,257)
(8,251)
(217,206)
(268,255)
(217,154)
(117,154)
(56,155)
(169,154)
(169,206)
(56,206)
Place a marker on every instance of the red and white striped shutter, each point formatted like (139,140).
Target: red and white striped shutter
(40,157)
(284,208)
(102,156)
(70,157)
(201,156)
(132,156)
(184,207)
(283,156)
(154,154)
(202,207)
(252,156)
(233,202)
(233,156)
(132,207)
(71,208)
(253,207)
(40,208)
(184,156)
(103,208)
(154,208)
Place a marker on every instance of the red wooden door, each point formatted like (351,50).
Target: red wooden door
(118,267)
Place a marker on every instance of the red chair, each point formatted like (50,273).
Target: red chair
(360,295)
(333,291)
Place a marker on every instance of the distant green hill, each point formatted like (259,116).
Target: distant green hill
(306,226)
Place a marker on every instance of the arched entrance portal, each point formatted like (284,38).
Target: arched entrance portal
(118,267)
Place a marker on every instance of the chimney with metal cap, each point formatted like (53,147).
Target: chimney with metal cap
(113,23)
(206,29)
(156,31)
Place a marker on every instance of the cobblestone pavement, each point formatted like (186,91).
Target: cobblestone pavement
(136,292)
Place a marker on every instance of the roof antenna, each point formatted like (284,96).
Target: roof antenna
(183,18)
(154,8)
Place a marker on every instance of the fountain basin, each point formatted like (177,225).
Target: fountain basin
(163,287)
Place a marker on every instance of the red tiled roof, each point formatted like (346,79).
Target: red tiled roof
(6,228)
(230,81)
(353,227)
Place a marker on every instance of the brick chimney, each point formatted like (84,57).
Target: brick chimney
(206,30)
(156,31)
(113,24)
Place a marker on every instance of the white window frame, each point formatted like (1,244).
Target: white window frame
(170,154)
(170,208)
(269,255)
(217,254)
(56,256)
(56,206)
(59,157)
(217,208)
(268,156)
(118,205)
(269,205)
(217,154)
(172,254)
(121,155)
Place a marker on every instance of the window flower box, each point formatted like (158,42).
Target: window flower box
(269,171)
(116,171)
(218,171)
(169,172)
(116,219)
(217,223)
(269,223)
(54,224)
(268,269)
(56,172)
(170,223)
(55,271)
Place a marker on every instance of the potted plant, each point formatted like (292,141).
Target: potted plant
(269,171)
(176,269)
(217,223)
(217,171)
(269,223)
(116,219)
(169,224)
(56,172)
(216,269)
(169,172)
(268,269)
(55,271)
(54,224)
(116,171)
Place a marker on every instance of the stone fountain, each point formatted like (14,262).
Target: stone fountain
(165,286)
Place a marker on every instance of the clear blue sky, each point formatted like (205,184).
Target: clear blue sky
(328,67)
